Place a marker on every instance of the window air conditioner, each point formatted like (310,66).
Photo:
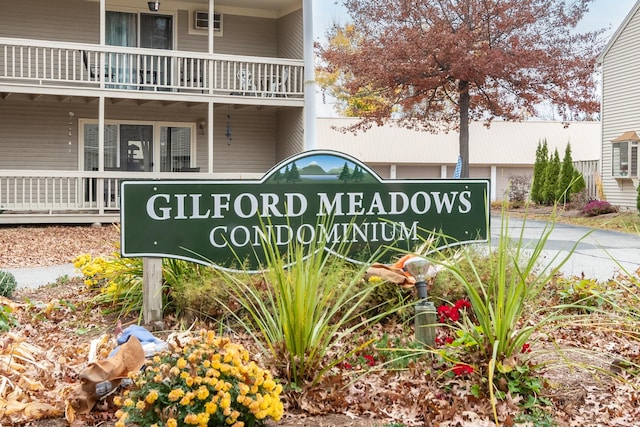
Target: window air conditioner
(201,21)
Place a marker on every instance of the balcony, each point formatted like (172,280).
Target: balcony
(76,69)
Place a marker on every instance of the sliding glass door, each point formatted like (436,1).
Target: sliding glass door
(135,147)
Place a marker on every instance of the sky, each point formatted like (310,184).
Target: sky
(602,14)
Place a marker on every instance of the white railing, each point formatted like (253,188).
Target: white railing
(59,191)
(25,61)
(69,192)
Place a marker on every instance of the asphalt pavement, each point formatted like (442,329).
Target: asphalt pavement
(598,254)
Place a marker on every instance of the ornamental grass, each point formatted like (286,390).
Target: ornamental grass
(203,380)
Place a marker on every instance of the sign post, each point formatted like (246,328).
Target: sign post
(225,223)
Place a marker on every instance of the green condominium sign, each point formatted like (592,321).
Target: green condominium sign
(313,195)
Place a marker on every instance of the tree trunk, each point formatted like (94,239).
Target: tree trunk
(463,104)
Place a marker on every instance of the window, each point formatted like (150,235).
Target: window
(624,157)
(175,149)
(200,21)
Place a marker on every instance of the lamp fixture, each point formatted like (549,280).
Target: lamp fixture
(425,311)
(422,270)
(154,6)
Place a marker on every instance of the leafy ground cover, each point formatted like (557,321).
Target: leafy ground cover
(579,368)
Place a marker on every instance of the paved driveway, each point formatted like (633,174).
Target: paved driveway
(597,255)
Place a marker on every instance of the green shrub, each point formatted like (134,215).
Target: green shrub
(7,320)
(7,283)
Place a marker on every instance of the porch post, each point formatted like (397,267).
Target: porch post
(309,77)
(494,176)
(210,137)
(101,131)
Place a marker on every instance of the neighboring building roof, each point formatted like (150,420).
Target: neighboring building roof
(620,29)
(627,136)
(506,143)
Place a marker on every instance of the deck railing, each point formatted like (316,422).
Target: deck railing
(59,64)
(69,192)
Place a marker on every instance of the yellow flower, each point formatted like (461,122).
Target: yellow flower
(171,422)
(191,419)
(175,394)
(186,400)
(140,405)
(269,384)
(203,418)
(152,397)
(181,363)
(210,407)
(202,393)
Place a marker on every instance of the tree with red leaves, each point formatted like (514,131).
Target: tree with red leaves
(437,64)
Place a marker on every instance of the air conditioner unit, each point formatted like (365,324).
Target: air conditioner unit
(201,21)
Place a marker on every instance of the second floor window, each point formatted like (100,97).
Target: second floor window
(624,157)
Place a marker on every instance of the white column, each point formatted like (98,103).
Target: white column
(309,77)
(492,184)
(443,171)
(210,138)
(392,171)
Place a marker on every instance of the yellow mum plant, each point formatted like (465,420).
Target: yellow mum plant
(205,381)
(92,269)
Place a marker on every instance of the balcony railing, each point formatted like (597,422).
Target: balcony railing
(68,192)
(75,65)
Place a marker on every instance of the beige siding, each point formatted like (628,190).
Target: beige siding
(262,40)
(417,172)
(290,37)
(36,134)
(621,71)
(503,143)
(383,170)
(60,20)
(504,176)
(187,41)
(290,133)
(252,146)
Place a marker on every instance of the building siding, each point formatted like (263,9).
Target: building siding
(290,133)
(36,134)
(60,20)
(290,37)
(620,73)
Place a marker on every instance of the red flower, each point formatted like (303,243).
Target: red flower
(526,348)
(463,304)
(370,360)
(448,340)
(443,313)
(345,365)
(462,368)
